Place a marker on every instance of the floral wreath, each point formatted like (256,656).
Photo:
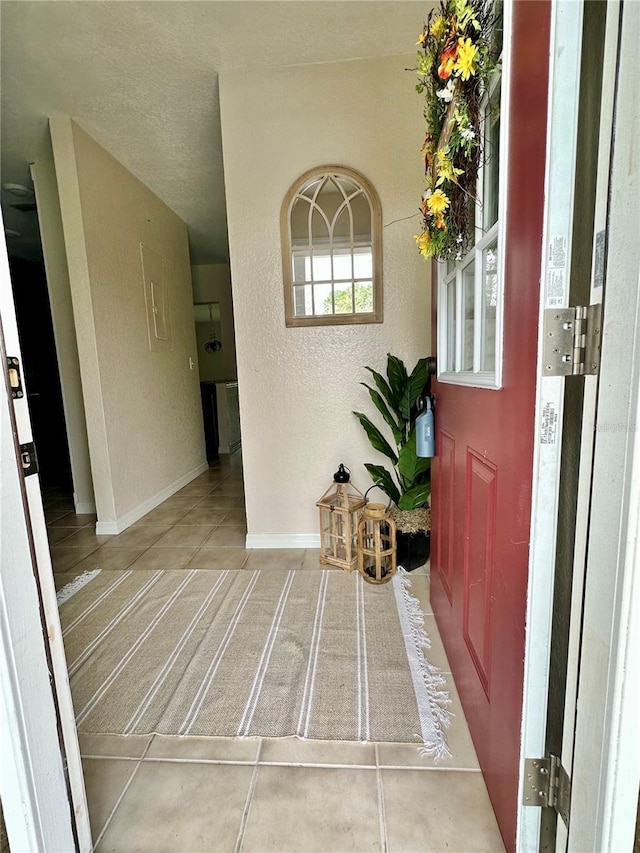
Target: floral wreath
(454,63)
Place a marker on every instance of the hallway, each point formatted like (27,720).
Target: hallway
(154,792)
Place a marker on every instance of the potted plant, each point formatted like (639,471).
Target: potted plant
(409,486)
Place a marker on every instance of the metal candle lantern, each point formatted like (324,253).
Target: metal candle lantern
(376,544)
(340,508)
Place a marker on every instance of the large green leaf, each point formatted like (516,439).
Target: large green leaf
(413,388)
(383,479)
(411,467)
(381,406)
(398,379)
(383,387)
(416,497)
(378,441)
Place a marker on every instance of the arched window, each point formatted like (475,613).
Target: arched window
(331,249)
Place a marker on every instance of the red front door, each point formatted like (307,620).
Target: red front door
(483,469)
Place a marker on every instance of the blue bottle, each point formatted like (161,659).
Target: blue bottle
(425,436)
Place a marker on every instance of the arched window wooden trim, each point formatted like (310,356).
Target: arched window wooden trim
(313,296)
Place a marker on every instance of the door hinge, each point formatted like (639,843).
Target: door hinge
(547,783)
(29,459)
(15,381)
(572,340)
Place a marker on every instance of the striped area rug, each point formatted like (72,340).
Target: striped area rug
(269,653)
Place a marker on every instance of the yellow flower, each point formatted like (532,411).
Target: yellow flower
(422,38)
(438,27)
(466,58)
(437,202)
(423,240)
(445,168)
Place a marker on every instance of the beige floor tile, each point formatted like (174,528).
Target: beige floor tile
(313,810)
(58,534)
(110,558)
(235,516)
(232,536)
(204,748)
(463,754)
(195,487)
(436,654)
(165,558)
(136,537)
(104,781)
(203,515)
(64,557)
(218,558)
(114,746)
(73,520)
(185,502)
(189,534)
(86,536)
(162,516)
(439,810)
(420,589)
(180,808)
(275,558)
(216,501)
(297,752)
(51,515)
(311,559)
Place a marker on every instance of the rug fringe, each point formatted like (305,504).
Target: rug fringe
(434,681)
(70,589)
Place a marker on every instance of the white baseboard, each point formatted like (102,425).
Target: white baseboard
(85,508)
(112,528)
(283,540)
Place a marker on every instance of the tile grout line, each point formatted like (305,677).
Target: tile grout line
(382,817)
(121,797)
(249,800)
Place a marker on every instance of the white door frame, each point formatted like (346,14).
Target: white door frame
(565,53)
(41,782)
(606,770)
(606,764)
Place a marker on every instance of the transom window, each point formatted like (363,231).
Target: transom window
(331,249)
(470,289)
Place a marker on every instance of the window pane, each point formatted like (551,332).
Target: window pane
(343,297)
(362,263)
(301,268)
(342,228)
(468,303)
(361,213)
(342,270)
(321,266)
(364,297)
(489,304)
(322,299)
(492,160)
(302,300)
(451,324)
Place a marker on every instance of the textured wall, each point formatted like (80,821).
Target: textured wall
(143,408)
(212,283)
(299,386)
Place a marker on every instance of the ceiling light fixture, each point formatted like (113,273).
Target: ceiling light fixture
(18,189)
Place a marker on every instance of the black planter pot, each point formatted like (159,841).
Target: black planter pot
(412,549)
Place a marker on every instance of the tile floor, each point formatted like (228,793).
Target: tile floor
(182,795)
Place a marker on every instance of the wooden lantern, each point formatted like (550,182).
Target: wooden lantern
(340,508)
(376,544)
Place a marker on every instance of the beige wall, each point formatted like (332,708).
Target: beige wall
(299,386)
(212,283)
(143,410)
(55,261)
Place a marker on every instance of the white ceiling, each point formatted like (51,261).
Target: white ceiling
(142,78)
